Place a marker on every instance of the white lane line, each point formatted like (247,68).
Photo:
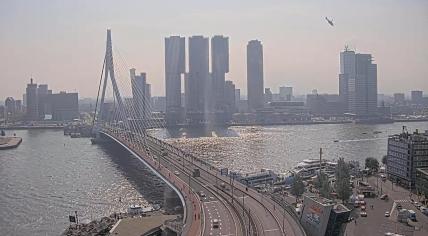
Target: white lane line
(270,230)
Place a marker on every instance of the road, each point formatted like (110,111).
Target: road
(214,206)
(268,216)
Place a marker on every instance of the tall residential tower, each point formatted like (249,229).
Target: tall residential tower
(219,68)
(175,66)
(255,75)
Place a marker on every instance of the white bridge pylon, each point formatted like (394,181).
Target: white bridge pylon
(109,73)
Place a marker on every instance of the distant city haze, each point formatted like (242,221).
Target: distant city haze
(62,43)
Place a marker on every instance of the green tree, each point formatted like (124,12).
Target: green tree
(323,185)
(372,164)
(343,177)
(297,188)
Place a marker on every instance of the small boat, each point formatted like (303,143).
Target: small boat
(336,141)
(377,132)
(364,132)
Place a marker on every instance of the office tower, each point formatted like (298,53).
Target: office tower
(285,93)
(10,105)
(268,95)
(32,102)
(237,96)
(42,92)
(358,83)
(229,97)
(219,68)
(399,98)
(255,75)
(198,79)
(63,106)
(18,106)
(416,97)
(175,66)
(138,83)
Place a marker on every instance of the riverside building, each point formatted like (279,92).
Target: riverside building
(406,153)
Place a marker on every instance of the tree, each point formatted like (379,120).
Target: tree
(385,160)
(372,164)
(323,185)
(297,188)
(343,177)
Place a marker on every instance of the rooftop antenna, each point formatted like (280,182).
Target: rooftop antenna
(346,48)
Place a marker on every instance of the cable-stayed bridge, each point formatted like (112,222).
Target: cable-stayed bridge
(213,204)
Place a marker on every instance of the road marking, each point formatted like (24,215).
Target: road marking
(270,230)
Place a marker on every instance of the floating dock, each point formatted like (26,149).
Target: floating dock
(9,142)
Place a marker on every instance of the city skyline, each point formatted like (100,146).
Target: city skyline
(298,38)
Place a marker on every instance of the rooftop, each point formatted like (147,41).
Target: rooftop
(139,225)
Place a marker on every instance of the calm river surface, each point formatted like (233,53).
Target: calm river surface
(50,175)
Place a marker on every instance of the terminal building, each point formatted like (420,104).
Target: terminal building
(323,217)
(406,153)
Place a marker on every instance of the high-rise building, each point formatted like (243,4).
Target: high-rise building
(255,75)
(198,92)
(219,68)
(32,102)
(358,83)
(399,98)
(42,93)
(10,106)
(175,66)
(417,97)
(229,97)
(138,83)
(63,106)
(237,96)
(285,93)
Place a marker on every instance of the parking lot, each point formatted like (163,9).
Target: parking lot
(376,223)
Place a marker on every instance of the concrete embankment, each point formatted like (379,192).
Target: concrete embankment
(9,142)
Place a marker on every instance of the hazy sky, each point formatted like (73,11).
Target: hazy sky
(62,43)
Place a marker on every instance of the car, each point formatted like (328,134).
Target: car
(216,223)
(387,214)
(363,214)
(384,197)
(202,194)
(363,208)
(399,207)
(177,173)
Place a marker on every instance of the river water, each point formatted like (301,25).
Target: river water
(49,176)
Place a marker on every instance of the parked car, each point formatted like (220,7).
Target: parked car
(216,223)
(399,207)
(384,197)
(363,214)
(387,214)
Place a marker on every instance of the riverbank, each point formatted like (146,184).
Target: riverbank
(26,127)
(9,142)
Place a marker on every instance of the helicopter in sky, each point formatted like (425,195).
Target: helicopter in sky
(329,21)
